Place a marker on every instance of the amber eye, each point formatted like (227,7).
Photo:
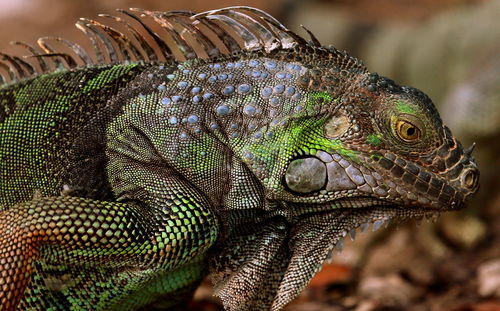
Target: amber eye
(407,131)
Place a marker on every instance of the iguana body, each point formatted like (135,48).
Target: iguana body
(121,182)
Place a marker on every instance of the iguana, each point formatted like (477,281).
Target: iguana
(233,147)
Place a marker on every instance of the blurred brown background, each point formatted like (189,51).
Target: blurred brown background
(450,49)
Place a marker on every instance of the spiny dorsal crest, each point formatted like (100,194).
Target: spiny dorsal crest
(206,35)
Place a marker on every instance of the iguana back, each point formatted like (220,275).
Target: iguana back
(49,134)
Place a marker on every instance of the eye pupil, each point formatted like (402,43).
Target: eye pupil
(407,131)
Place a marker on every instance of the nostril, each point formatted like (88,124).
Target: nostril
(470,178)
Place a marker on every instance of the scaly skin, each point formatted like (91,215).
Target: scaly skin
(121,183)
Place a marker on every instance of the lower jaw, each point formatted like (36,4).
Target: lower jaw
(377,217)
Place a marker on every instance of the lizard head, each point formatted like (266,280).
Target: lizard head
(350,152)
(381,144)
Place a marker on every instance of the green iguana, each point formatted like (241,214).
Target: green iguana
(234,147)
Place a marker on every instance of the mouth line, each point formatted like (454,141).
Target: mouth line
(367,203)
(392,211)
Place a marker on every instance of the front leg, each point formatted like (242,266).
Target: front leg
(68,251)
